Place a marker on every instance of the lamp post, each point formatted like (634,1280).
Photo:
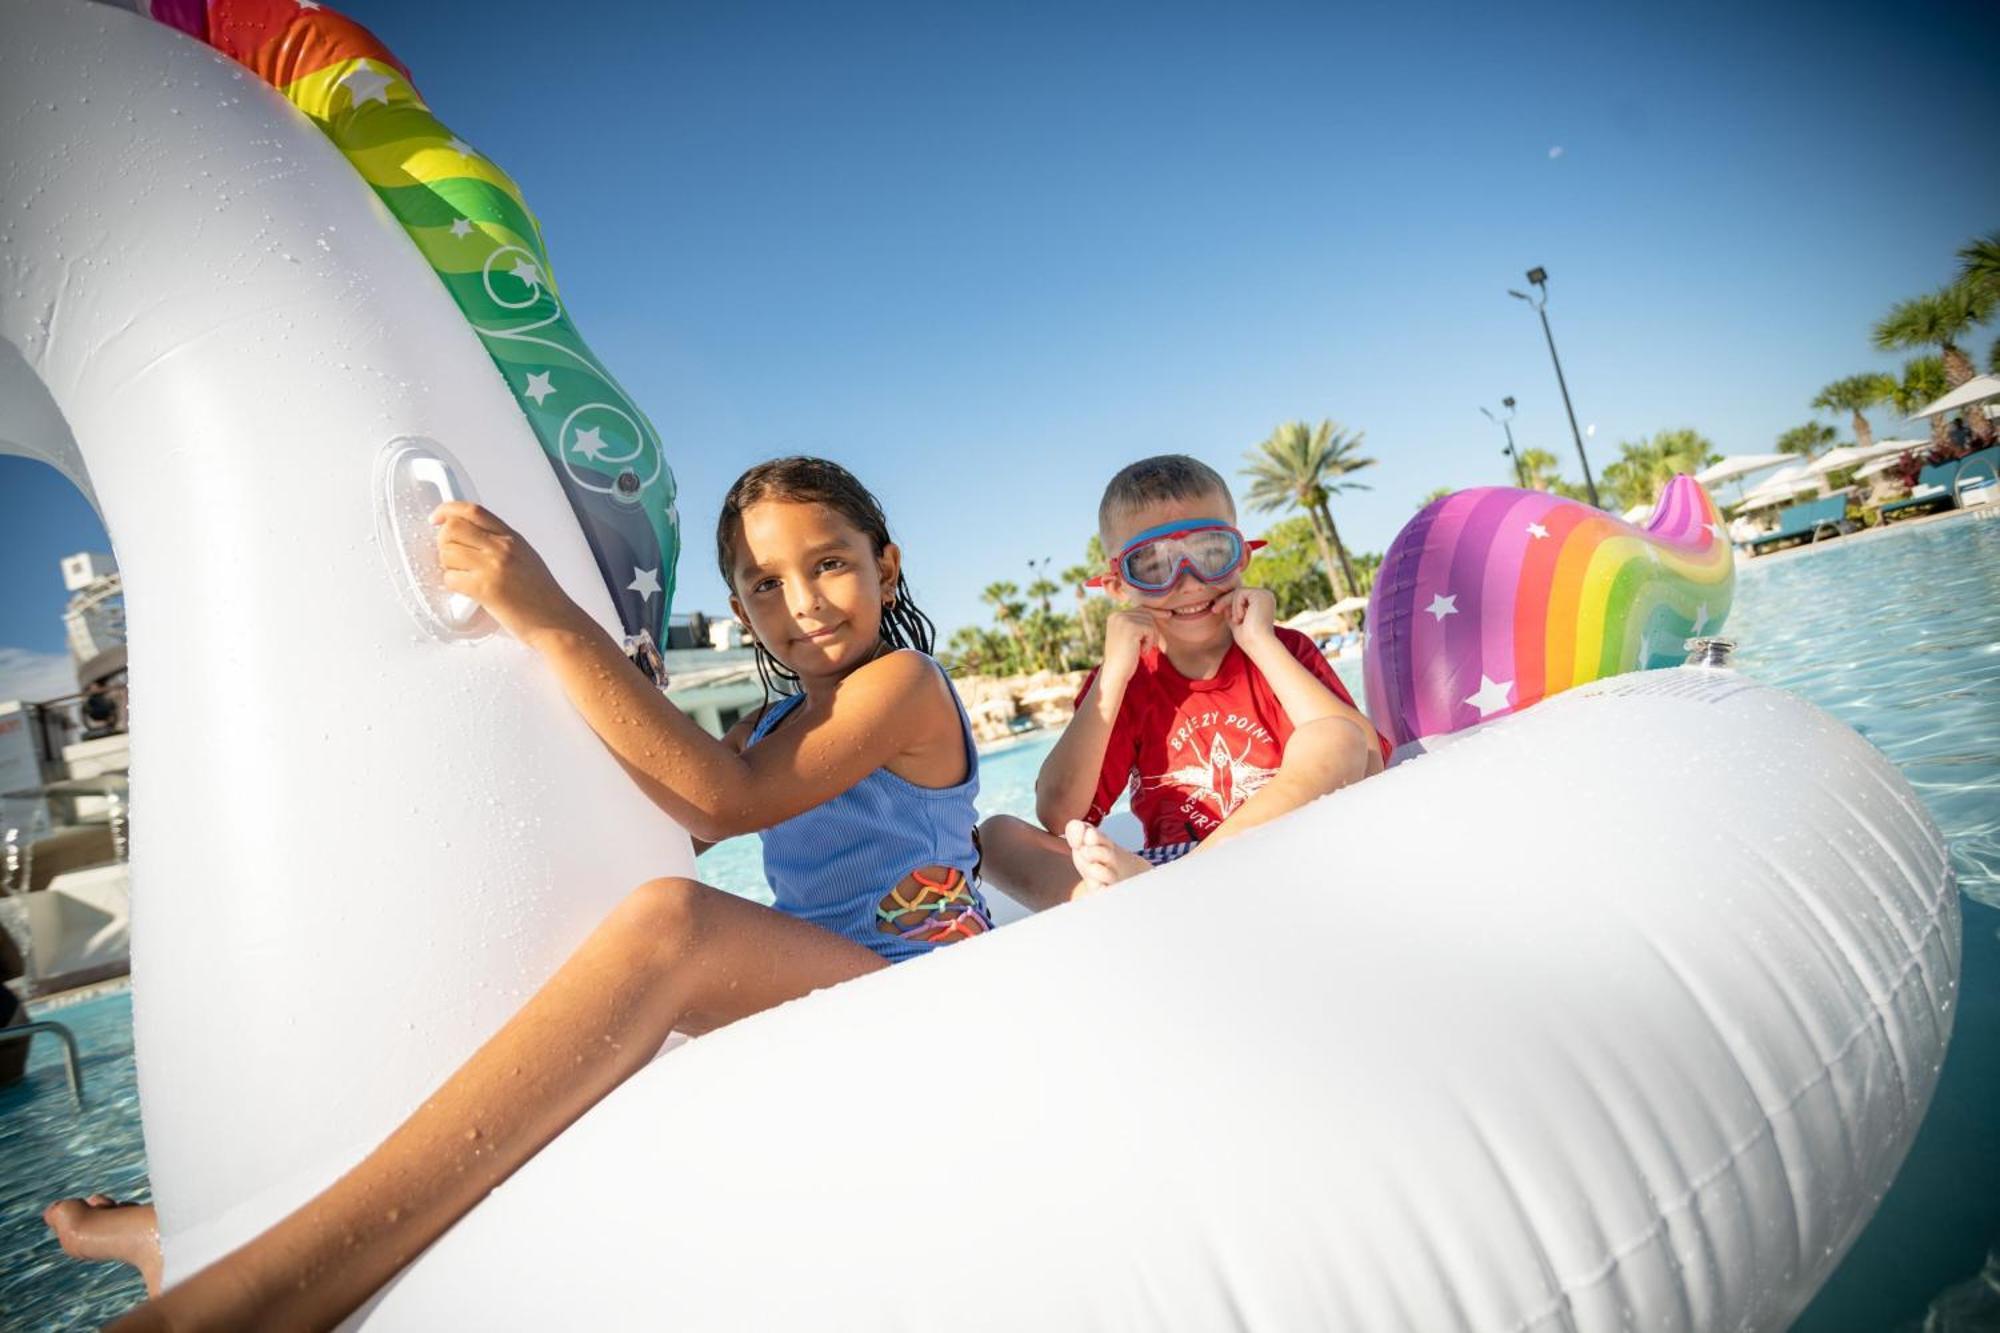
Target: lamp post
(1506,424)
(1540,278)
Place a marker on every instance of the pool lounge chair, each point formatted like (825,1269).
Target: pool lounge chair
(1934,487)
(1978,479)
(1807,521)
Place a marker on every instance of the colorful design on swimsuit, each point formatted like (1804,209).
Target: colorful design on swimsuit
(1173,851)
(470,223)
(1211,549)
(952,908)
(1494,598)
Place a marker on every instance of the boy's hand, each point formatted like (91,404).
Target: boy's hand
(1252,615)
(491,563)
(1127,634)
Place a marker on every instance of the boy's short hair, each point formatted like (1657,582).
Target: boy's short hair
(1163,477)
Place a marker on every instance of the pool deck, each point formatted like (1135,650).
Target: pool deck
(44,1005)
(1744,560)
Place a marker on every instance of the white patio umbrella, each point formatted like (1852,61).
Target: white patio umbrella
(1782,487)
(1738,466)
(1975,390)
(1880,465)
(1852,455)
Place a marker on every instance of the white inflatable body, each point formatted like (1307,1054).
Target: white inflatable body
(1619,1012)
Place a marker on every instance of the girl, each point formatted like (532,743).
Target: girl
(861,784)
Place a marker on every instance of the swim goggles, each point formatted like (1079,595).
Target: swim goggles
(1207,548)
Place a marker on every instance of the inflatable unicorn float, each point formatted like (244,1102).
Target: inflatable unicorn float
(1618,1008)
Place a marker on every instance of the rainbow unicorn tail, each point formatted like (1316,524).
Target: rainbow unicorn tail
(1495,598)
(467,218)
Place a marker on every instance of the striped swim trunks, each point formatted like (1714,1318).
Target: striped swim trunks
(1165,852)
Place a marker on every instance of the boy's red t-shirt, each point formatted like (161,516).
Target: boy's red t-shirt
(1192,751)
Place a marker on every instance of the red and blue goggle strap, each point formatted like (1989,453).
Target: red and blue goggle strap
(1176,529)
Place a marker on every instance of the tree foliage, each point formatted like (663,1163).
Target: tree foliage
(1304,467)
(1290,567)
(1939,319)
(1644,467)
(1809,440)
(1855,395)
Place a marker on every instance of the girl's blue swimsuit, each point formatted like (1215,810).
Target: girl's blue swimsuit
(834,864)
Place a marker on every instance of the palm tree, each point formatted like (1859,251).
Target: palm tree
(1981,261)
(1938,320)
(1644,467)
(1304,467)
(1000,596)
(1435,496)
(1542,469)
(1856,394)
(1923,382)
(1808,440)
(967,648)
(1042,590)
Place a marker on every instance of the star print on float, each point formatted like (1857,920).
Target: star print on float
(468,220)
(1492,599)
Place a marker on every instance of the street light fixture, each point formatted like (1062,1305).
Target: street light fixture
(1539,277)
(1505,424)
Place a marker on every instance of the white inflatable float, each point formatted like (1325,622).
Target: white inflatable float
(1618,1012)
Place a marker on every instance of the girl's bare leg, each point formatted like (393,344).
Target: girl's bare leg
(100,1229)
(1028,864)
(674,955)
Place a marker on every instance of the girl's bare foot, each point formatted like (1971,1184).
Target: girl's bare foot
(1099,862)
(99,1228)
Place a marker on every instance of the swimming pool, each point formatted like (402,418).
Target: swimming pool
(1897,634)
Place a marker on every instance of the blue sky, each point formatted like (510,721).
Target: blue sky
(984,254)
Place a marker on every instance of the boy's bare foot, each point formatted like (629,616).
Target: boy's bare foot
(99,1228)
(1100,862)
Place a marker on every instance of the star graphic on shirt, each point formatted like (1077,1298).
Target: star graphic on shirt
(1492,695)
(645,582)
(1537,531)
(1442,606)
(1226,779)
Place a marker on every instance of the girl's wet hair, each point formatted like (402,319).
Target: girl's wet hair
(821,482)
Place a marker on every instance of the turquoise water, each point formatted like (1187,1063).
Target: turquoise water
(49,1150)
(1898,636)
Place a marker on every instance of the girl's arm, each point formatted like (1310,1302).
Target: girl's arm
(735,739)
(894,706)
(1068,780)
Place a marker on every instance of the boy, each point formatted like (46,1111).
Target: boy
(1214,718)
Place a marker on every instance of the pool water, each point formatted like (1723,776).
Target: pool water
(50,1150)
(1898,635)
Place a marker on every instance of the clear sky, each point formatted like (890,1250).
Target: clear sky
(984,254)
